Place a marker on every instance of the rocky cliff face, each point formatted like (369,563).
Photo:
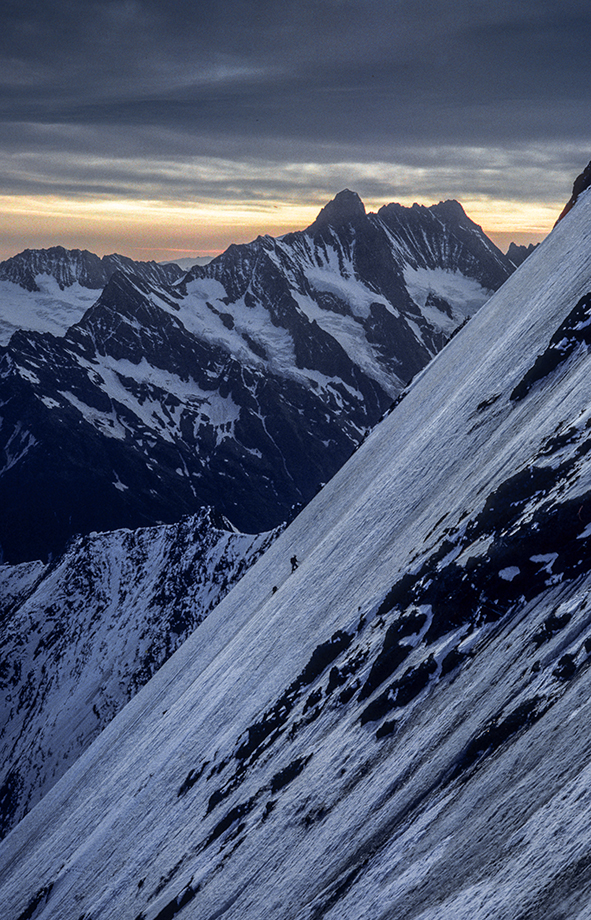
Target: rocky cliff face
(580,185)
(244,385)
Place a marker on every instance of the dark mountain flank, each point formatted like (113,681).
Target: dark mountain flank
(580,185)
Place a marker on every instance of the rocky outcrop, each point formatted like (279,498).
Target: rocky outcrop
(580,185)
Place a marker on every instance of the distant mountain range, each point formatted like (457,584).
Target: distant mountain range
(518,254)
(243,384)
(187,262)
(71,266)
(47,290)
(396,727)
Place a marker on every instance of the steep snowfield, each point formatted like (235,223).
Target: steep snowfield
(49,309)
(82,635)
(400,729)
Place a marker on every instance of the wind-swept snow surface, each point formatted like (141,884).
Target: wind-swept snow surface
(400,728)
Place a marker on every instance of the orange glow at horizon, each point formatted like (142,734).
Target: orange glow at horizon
(161,230)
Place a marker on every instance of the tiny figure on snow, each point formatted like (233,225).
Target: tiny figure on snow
(294,563)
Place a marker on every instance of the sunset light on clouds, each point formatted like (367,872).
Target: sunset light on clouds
(163,230)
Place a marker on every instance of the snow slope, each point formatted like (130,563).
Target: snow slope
(399,728)
(49,309)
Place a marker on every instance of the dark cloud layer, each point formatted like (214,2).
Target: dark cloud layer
(105,95)
(295,67)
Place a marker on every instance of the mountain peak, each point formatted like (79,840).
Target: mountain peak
(451,209)
(344,208)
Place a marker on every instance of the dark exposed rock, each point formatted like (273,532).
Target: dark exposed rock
(575,330)
(288,774)
(276,717)
(345,208)
(518,254)
(580,185)
(498,732)
(566,668)
(394,651)
(41,897)
(386,729)
(552,625)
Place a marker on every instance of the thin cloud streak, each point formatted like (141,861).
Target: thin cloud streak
(525,175)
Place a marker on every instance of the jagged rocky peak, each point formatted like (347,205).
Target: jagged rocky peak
(449,213)
(69,266)
(345,208)
(66,266)
(451,209)
(580,185)
(519,253)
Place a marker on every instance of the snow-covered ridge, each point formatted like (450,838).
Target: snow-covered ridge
(48,290)
(83,634)
(381,732)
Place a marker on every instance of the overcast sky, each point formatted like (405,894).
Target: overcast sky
(159,126)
